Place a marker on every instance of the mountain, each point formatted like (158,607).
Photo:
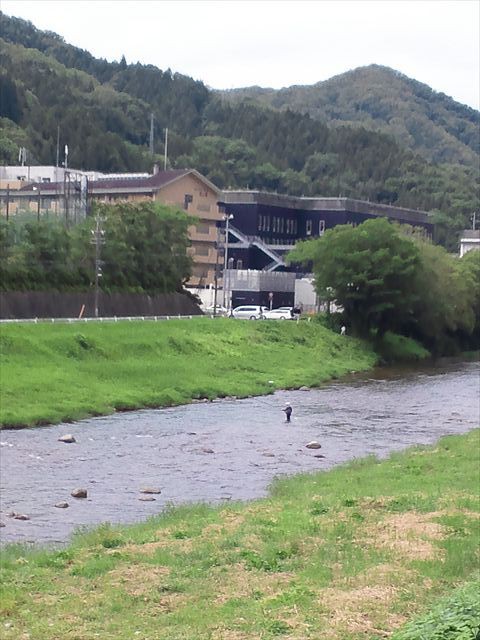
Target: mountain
(103,112)
(382,99)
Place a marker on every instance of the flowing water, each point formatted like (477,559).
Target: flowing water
(220,451)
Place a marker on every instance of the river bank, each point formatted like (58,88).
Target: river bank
(224,450)
(351,553)
(62,373)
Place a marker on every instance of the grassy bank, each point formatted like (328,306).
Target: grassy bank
(350,554)
(50,373)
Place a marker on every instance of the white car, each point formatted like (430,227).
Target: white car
(282,313)
(249,312)
(219,310)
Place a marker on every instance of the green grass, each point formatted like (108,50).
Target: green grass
(396,348)
(51,373)
(349,554)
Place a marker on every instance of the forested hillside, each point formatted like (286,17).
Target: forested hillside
(103,112)
(382,99)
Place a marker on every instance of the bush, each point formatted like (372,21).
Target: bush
(456,617)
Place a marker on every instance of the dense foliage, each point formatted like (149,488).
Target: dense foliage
(387,278)
(456,617)
(145,250)
(382,99)
(46,83)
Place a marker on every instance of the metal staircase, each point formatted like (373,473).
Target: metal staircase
(245,242)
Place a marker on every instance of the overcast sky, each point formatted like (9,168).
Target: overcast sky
(229,44)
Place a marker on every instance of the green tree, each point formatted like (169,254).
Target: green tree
(369,270)
(145,247)
(46,249)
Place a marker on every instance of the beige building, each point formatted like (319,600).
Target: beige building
(186,189)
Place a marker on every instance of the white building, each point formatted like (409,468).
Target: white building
(49,173)
(470,240)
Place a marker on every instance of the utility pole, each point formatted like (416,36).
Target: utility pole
(227,217)
(8,201)
(474,220)
(65,196)
(37,189)
(151,134)
(166,148)
(215,278)
(98,239)
(58,148)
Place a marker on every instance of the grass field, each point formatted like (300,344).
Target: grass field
(51,373)
(349,554)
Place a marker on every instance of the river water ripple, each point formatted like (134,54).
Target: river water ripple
(225,450)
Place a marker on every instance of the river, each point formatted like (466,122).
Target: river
(222,450)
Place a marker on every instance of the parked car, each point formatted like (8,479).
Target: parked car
(219,311)
(249,312)
(282,313)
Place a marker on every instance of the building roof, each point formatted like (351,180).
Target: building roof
(153,182)
(321,204)
(126,185)
(470,234)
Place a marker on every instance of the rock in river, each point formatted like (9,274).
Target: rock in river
(67,438)
(21,516)
(313,445)
(150,490)
(79,493)
(62,505)
(147,498)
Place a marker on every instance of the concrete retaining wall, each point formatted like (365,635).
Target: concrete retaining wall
(51,304)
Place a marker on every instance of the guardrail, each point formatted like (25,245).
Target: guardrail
(102,319)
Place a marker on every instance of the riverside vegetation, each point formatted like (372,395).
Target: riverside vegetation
(52,373)
(349,554)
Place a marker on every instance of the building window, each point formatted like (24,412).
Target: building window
(309,227)
(187,200)
(260,223)
(282,224)
(321,227)
(202,228)
(201,249)
(203,207)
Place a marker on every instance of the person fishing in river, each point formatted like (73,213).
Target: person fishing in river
(288,411)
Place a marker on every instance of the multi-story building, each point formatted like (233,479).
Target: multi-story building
(186,189)
(263,227)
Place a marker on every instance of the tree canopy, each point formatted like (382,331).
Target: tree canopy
(386,277)
(145,250)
